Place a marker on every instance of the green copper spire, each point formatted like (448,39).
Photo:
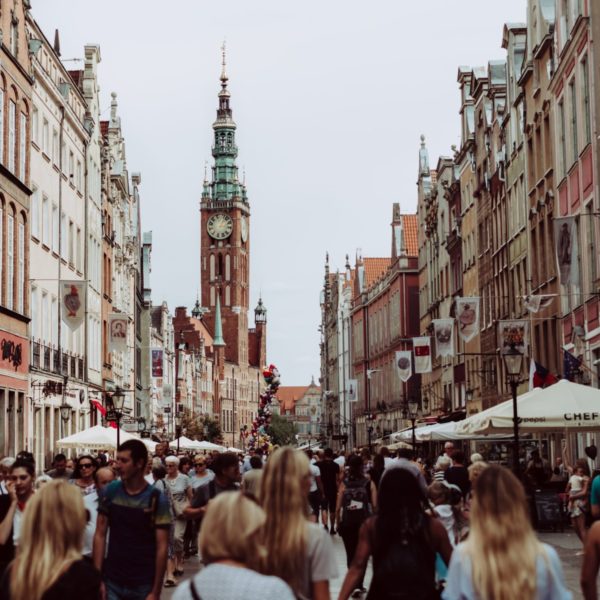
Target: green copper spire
(225,185)
(218,339)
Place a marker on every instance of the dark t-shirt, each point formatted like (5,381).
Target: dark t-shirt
(80,580)
(459,476)
(133,519)
(329,475)
(209,490)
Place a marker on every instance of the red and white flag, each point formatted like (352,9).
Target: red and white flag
(422,352)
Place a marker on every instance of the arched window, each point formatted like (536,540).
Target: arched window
(10,259)
(12,135)
(227,296)
(212,266)
(2,88)
(228,268)
(212,295)
(20,265)
(1,244)
(220,269)
(23,145)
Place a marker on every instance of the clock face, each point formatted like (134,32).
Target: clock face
(219,226)
(244,229)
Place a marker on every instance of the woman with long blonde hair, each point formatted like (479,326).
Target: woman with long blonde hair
(298,551)
(48,564)
(502,558)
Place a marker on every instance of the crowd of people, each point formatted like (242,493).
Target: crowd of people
(121,528)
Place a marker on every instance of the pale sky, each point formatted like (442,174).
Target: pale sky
(330,98)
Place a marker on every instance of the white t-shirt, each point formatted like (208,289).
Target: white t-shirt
(341,461)
(17,519)
(314,472)
(90,501)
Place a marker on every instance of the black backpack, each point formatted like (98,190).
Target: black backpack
(356,502)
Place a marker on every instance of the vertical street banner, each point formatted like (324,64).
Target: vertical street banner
(117,332)
(157,362)
(422,352)
(513,334)
(467,317)
(404,365)
(352,391)
(443,331)
(567,250)
(72,297)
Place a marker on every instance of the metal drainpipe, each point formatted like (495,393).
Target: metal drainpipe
(60,244)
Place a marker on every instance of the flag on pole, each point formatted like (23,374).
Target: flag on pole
(571,365)
(422,351)
(404,364)
(540,376)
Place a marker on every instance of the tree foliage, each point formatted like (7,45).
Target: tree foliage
(282,431)
(194,428)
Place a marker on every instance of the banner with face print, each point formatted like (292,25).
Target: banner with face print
(157,362)
(117,332)
(567,250)
(467,317)
(422,352)
(513,334)
(443,331)
(404,364)
(72,297)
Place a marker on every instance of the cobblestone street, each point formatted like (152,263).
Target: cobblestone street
(566,544)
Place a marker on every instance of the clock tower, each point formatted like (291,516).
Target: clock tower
(225,236)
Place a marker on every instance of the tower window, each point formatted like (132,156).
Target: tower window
(227,296)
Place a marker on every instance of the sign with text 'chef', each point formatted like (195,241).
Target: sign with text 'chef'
(72,297)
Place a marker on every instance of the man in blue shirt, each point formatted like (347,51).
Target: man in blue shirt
(139,519)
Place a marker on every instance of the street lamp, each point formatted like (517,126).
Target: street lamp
(118,401)
(65,413)
(513,361)
(413,411)
(178,428)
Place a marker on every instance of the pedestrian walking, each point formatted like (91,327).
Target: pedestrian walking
(83,475)
(5,465)
(357,500)
(180,489)
(251,479)
(59,468)
(458,473)
(502,559)
(20,489)
(578,490)
(139,520)
(48,563)
(442,464)
(315,492)
(231,550)
(298,551)
(403,541)
(330,474)
(377,469)
(591,563)
(200,474)
(226,468)
(102,478)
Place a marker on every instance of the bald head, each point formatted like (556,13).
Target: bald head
(103,477)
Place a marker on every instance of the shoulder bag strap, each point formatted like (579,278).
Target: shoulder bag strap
(194,591)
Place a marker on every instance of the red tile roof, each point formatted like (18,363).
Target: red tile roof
(374,269)
(288,395)
(410,226)
(104,127)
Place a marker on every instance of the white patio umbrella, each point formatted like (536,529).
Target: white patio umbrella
(564,405)
(204,445)
(236,450)
(439,432)
(95,438)
(185,444)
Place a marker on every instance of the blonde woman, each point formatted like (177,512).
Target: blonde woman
(298,551)
(230,547)
(502,558)
(49,564)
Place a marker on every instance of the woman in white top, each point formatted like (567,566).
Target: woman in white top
(578,489)
(299,552)
(230,548)
(502,558)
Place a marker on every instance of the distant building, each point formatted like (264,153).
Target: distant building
(301,405)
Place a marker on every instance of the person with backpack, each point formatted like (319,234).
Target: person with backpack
(403,541)
(226,468)
(139,519)
(356,501)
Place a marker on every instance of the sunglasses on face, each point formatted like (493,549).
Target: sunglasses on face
(199,464)
(85,465)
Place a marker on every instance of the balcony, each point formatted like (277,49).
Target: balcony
(50,359)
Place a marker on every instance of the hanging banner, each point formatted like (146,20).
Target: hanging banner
(467,315)
(72,294)
(157,362)
(443,331)
(117,332)
(536,303)
(422,351)
(567,253)
(513,334)
(352,393)
(404,365)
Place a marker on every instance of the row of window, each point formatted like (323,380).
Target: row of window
(13,253)
(14,156)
